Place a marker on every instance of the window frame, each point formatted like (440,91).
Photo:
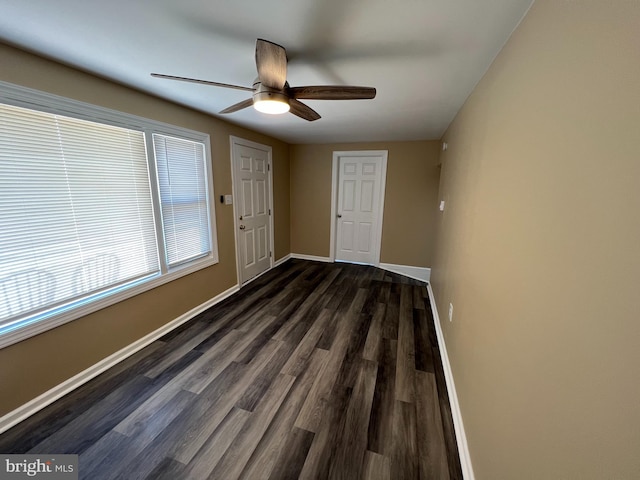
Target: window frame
(46,102)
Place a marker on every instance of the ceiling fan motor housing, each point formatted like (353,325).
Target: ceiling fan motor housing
(262,93)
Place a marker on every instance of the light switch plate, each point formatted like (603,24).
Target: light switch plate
(228,199)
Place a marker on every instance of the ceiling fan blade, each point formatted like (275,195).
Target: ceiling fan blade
(204,82)
(332,92)
(271,62)
(238,106)
(301,110)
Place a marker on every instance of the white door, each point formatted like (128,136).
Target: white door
(251,170)
(358,210)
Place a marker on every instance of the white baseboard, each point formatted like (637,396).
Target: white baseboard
(16,416)
(417,273)
(311,257)
(282,260)
(461,438)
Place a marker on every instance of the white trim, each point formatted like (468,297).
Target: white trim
(19,414)
(461,438)
(384,155)
(40,326)
(20,96)
(334,207)
(417,273)
(282,260)
(313,258)
(233,141)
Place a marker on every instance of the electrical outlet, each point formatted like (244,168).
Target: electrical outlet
(451,312)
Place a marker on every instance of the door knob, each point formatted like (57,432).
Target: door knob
(242,227)
(339,216)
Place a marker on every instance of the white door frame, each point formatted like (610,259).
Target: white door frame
(384,154)
(233,140)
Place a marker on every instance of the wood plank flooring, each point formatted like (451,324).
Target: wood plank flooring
(312,371)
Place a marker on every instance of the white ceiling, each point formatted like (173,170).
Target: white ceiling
(423,56)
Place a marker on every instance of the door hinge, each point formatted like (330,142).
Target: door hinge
(268,167)
(269,211)
(271,254)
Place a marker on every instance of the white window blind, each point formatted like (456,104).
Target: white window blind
(76,212)
(183,197)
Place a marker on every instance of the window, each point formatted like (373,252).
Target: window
(95,206)
(183,196)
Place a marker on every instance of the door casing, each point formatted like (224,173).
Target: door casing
(383,154)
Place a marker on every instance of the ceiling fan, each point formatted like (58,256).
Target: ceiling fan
(271,91)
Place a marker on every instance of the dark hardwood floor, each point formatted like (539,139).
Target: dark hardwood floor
(312,371)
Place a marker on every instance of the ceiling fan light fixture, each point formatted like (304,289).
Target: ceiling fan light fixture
(272,107)
(271,102)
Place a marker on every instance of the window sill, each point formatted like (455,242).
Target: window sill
(31,327)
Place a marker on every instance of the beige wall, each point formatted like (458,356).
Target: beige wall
(539,248)
(410,200)
(35,365)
